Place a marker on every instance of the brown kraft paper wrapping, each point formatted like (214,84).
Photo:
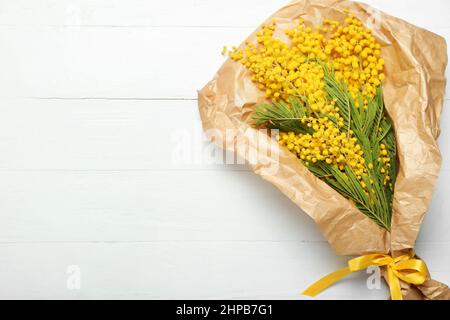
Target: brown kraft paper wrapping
(413,92)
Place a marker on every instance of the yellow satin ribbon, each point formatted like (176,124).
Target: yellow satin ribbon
(410,270)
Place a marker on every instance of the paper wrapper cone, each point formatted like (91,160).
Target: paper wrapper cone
(413,91)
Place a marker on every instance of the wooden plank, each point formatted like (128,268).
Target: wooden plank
(188,12)
(144,63)
(106,135)
(116,135)
(147,206)
(164,206)
(122,62)
(207,270)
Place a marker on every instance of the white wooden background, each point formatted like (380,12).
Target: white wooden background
(92,95)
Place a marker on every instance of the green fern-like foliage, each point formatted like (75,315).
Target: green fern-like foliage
(371,126)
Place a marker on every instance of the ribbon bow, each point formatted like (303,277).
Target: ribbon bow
(410,270)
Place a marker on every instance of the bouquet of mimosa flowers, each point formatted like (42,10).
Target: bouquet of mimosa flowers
(351,100)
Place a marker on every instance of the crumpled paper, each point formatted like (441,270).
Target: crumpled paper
(413,91)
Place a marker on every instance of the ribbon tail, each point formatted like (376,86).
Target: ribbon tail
(394,285)
(326,282)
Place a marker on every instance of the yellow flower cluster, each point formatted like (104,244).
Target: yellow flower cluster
(356,56)
(386,164)
(282,69)
(295,67)
(327,144)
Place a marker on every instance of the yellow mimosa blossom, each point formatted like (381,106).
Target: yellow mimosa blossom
(296,67)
